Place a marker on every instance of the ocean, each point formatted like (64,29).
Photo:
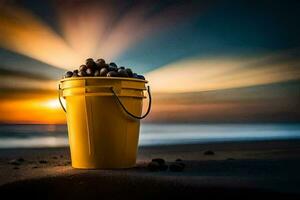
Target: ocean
(30,136)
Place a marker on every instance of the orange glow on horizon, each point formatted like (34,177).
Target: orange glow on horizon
(33,111)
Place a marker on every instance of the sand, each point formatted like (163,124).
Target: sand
(241,169)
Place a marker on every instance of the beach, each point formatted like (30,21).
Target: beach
(248,169)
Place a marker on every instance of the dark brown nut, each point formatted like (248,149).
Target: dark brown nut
(20,159)
(90,72)
(176,167)
(153,166)
(129,72)
(159,161)
(82,68)
(112,74)
(134,75)
(103,72)
(14,162)
(91,64)
(122,73)
(75,74)
(209,153)
(89,60)
(111,68)
(97,73)
(100,62)
(68,74)
(82,73)
(141,77)
(112,64)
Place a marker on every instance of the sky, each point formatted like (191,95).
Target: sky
(206,61)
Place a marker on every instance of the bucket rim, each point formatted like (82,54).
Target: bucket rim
(107,78)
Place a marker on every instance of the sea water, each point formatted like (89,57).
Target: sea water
(28,136)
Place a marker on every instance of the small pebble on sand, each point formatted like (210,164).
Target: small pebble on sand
(209,153)
(14,162)
(21,159)
(160,161)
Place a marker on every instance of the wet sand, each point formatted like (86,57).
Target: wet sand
(241,169)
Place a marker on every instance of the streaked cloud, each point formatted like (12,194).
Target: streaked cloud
(202,74)
(277,102)
(24,33)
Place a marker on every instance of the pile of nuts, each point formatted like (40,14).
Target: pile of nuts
(100,68)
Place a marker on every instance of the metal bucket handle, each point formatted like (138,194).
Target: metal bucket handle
(130,114)
(119,101)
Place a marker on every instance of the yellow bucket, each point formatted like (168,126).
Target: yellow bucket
(103,117)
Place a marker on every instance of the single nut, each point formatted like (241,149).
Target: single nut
(82,73)
(129,72)
(112,69)
(75,73)
(134,75)
(141,77)
(68,74)
(112,74)
(122,73)
(82,68)
(14,162)
(112,64)
(159,161)
(100,62)
(103,72)
(20,159)
(209,153)
(89,60)
(91,64)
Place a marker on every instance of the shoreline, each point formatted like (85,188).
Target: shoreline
(261,165)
